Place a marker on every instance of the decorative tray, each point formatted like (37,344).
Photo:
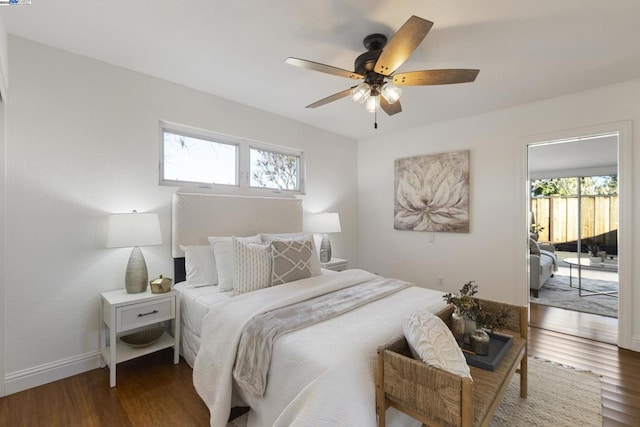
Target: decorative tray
(499,344)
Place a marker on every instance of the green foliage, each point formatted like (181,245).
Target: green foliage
(464,300)
(275,170)
(471,308)
(535,228)
(590,185)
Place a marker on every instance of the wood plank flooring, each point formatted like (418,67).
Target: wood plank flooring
(576,346)
(151,391)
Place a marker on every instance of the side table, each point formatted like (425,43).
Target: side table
(121,312)
(335,264)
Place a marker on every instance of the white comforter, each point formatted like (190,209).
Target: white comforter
(323,375)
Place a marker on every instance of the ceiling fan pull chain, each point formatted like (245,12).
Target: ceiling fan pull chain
(375,119)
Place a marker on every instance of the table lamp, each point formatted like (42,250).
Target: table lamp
(134,230)
(324,223)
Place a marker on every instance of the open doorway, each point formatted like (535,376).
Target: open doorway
(573,240)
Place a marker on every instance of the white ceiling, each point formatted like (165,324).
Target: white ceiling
(525,50)
(582,157)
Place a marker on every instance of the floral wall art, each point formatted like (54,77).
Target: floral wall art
(432,193)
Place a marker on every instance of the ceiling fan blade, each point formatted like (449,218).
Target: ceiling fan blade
(390,109)
(331,98)
(435,77)
(323,68)
(402,45)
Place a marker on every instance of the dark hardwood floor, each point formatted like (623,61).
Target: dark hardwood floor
(577,345)
(151,391)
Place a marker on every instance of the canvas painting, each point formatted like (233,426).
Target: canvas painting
(432,193)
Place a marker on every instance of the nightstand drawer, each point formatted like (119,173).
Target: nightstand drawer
(142,314)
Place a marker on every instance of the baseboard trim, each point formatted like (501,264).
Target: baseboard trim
(33,377)
(635,344)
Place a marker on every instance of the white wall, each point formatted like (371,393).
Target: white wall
(3,96)
(489,253)
(83,141)
(4,62)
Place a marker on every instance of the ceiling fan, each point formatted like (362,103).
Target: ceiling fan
(377,66)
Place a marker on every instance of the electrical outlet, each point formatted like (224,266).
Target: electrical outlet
(441,281)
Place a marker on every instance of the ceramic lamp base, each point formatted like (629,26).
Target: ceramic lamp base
(136,277)
(325,249)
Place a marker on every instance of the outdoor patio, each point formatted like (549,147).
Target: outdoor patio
(557,293)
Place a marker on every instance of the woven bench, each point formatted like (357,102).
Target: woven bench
(440,398)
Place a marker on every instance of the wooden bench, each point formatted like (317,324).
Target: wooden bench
(439,398)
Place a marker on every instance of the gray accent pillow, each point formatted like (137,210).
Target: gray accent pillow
(534,249)
(291,260)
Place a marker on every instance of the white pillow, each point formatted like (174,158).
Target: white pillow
(268,238)
(200,265)
(252,266)
(431,341)
(224,259)
(298,237)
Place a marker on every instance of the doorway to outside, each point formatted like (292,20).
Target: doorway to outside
(573,217)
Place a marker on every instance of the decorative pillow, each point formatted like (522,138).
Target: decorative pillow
(291,260)
(299,237)
(200,265)
(252,270)
(224,259)
(534,248)
(268,238)
(431,341)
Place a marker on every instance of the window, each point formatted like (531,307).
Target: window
(193,158)
(275,170)
(198,160)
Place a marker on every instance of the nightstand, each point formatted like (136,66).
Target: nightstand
(336,264)
(122,314)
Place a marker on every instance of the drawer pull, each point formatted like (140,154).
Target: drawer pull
(146,314)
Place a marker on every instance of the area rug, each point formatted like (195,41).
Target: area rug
(557,396)
(557,293)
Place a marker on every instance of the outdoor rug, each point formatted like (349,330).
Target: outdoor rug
(557,396)
(557,293)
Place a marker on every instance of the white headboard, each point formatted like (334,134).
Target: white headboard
(197,216)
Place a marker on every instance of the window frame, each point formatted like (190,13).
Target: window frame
(243,162)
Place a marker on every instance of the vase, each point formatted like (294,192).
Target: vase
(479,342)
(457,325)
(469,327)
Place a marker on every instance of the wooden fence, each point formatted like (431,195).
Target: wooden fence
(559,217)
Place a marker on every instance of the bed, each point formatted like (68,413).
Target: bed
(319,374)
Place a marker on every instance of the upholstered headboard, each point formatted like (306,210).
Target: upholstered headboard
(197,216)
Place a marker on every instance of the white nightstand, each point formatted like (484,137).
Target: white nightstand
(336,264)
(121,312)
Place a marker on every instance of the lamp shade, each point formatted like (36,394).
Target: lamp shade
(323,223)
(361,92)
(391,92)
(133,229)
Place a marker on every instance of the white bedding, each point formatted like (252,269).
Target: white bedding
(322,375)
(195,302)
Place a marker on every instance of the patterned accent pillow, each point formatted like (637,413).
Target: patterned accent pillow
(431,341)
(252,266)
(291,260)
(299,237)
(224,259)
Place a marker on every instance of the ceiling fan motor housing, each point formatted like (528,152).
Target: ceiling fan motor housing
(364,64)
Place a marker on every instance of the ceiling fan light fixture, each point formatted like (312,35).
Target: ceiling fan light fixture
(391,92)
(373,103)
(361,92)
